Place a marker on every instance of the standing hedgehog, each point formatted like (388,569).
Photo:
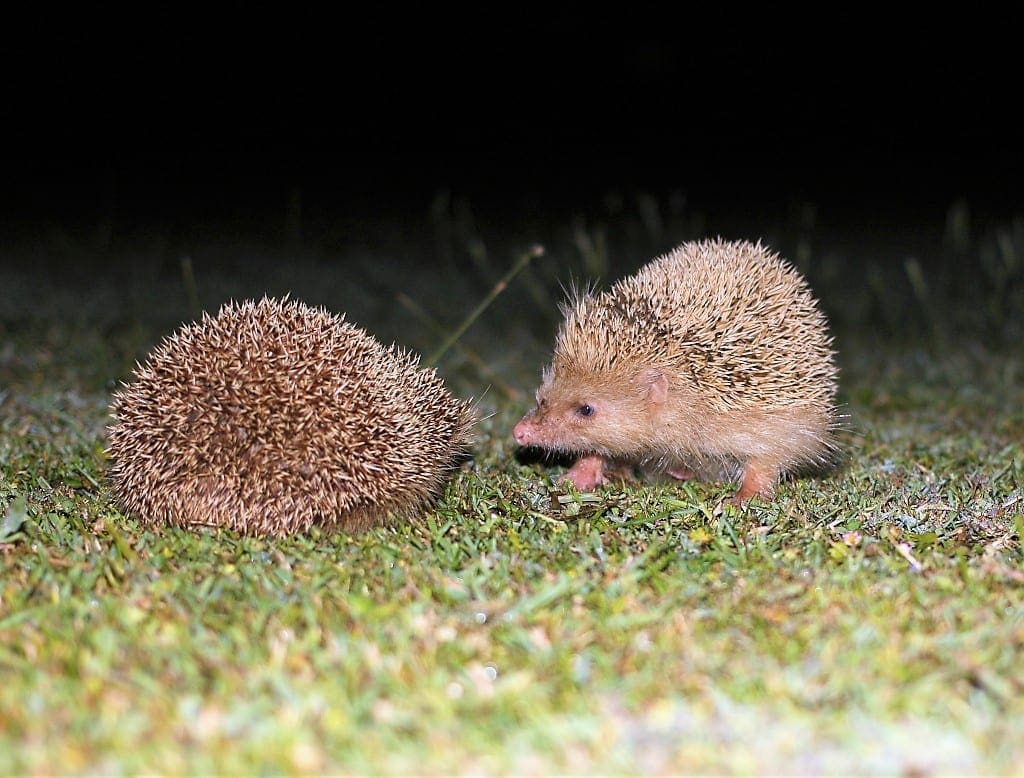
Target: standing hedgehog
(713,361)
(272,417)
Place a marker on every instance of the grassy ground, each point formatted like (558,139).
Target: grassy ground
(869,622)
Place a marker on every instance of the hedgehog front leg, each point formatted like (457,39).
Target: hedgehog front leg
(592,470)
(759,480)
(587,473)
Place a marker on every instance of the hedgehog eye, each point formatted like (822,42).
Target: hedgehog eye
(585,410)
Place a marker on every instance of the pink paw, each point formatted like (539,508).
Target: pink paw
(586,474)
(682,473)
(759,480)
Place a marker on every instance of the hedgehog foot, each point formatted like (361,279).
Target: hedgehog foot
(759,480)
(682,473)
(586,474)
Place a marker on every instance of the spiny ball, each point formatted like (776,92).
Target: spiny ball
(713,360)
(273,416)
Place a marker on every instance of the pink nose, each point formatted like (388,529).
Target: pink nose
(521,432)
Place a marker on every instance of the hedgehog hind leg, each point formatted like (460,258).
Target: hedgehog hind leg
(758,480)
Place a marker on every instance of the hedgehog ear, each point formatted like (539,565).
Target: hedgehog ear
(657,385)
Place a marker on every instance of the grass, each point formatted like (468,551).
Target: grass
(869,622)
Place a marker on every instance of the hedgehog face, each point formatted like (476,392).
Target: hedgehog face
(588,413)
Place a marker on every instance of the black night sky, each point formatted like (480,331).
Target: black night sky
(176,121)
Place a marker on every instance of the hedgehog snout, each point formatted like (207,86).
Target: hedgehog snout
(523,431)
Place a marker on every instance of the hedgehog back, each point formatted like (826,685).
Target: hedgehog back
(731,318)
(274,416)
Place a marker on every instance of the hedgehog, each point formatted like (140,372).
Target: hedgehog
(273,417)
(714,361)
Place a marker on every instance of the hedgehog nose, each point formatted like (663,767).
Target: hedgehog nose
(521,432)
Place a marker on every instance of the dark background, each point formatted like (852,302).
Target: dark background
(180,119)
(157,162)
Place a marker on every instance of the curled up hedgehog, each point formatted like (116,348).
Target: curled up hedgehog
(272,417)
(713,361)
